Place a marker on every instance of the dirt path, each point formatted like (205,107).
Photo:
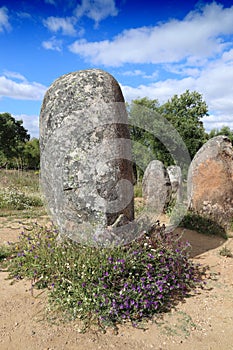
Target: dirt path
(203,322)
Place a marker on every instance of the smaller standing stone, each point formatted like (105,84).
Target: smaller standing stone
(156,187)
(175,176)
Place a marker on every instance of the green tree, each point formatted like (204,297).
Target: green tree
(142,116)
(168,129)
(31,154)
(185,112)
(13,137)
(225,130)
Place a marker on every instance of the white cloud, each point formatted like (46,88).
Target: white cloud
(4,19)
(22,90)
(66,25)
(139,72)
(30,123)
(214,82)
(161,90)
(52,44)
(133,73)
(228,56)
(14,75)
(182,70)
(154,75)
(197,37)
(96,9)
(217,121)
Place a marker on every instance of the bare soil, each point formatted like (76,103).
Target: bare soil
(203,322)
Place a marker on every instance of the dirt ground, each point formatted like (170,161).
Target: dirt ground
(203,322)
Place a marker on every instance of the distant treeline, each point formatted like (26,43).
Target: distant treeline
(184,113)
(17,150)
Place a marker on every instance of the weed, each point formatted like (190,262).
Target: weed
(226,252)
(19,190)
(5,252)
(138,189)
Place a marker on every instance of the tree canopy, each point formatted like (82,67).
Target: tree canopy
(31,154)
(160,130)
(185,112)
(15,148)
(12,135)
(225,130)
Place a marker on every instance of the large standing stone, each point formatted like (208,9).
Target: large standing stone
(210,181)
(86,167)
(156,187)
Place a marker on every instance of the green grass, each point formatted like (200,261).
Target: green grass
(138,189)
(26,181)
(19,190)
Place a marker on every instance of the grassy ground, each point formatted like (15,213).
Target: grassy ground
(20,194)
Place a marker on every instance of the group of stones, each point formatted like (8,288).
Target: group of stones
(87,167)
(209,183)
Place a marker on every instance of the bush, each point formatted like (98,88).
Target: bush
(5,252)
(226,252)
(12,198)
(106,285)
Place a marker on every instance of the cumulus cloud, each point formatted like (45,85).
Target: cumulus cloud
(52,44)
(96,9)
(14,75)
(133,73)
(195,38)
(4,20)
(214,82)
(65,25)
(16,86)
(30,123)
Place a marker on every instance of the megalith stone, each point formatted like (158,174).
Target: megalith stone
(156,187)
(175,176)
(210,181)
(86,163)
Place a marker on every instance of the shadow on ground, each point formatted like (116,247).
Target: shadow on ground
(200,243)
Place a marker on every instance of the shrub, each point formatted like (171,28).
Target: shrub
(226,252)
(12,198)
(5,252)
(106,285)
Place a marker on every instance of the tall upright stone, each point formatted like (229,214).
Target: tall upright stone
(210,181)
(86,164)
(156,187)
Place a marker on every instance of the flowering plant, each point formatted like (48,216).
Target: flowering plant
(107,285)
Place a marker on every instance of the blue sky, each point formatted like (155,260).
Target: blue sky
(154,49)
